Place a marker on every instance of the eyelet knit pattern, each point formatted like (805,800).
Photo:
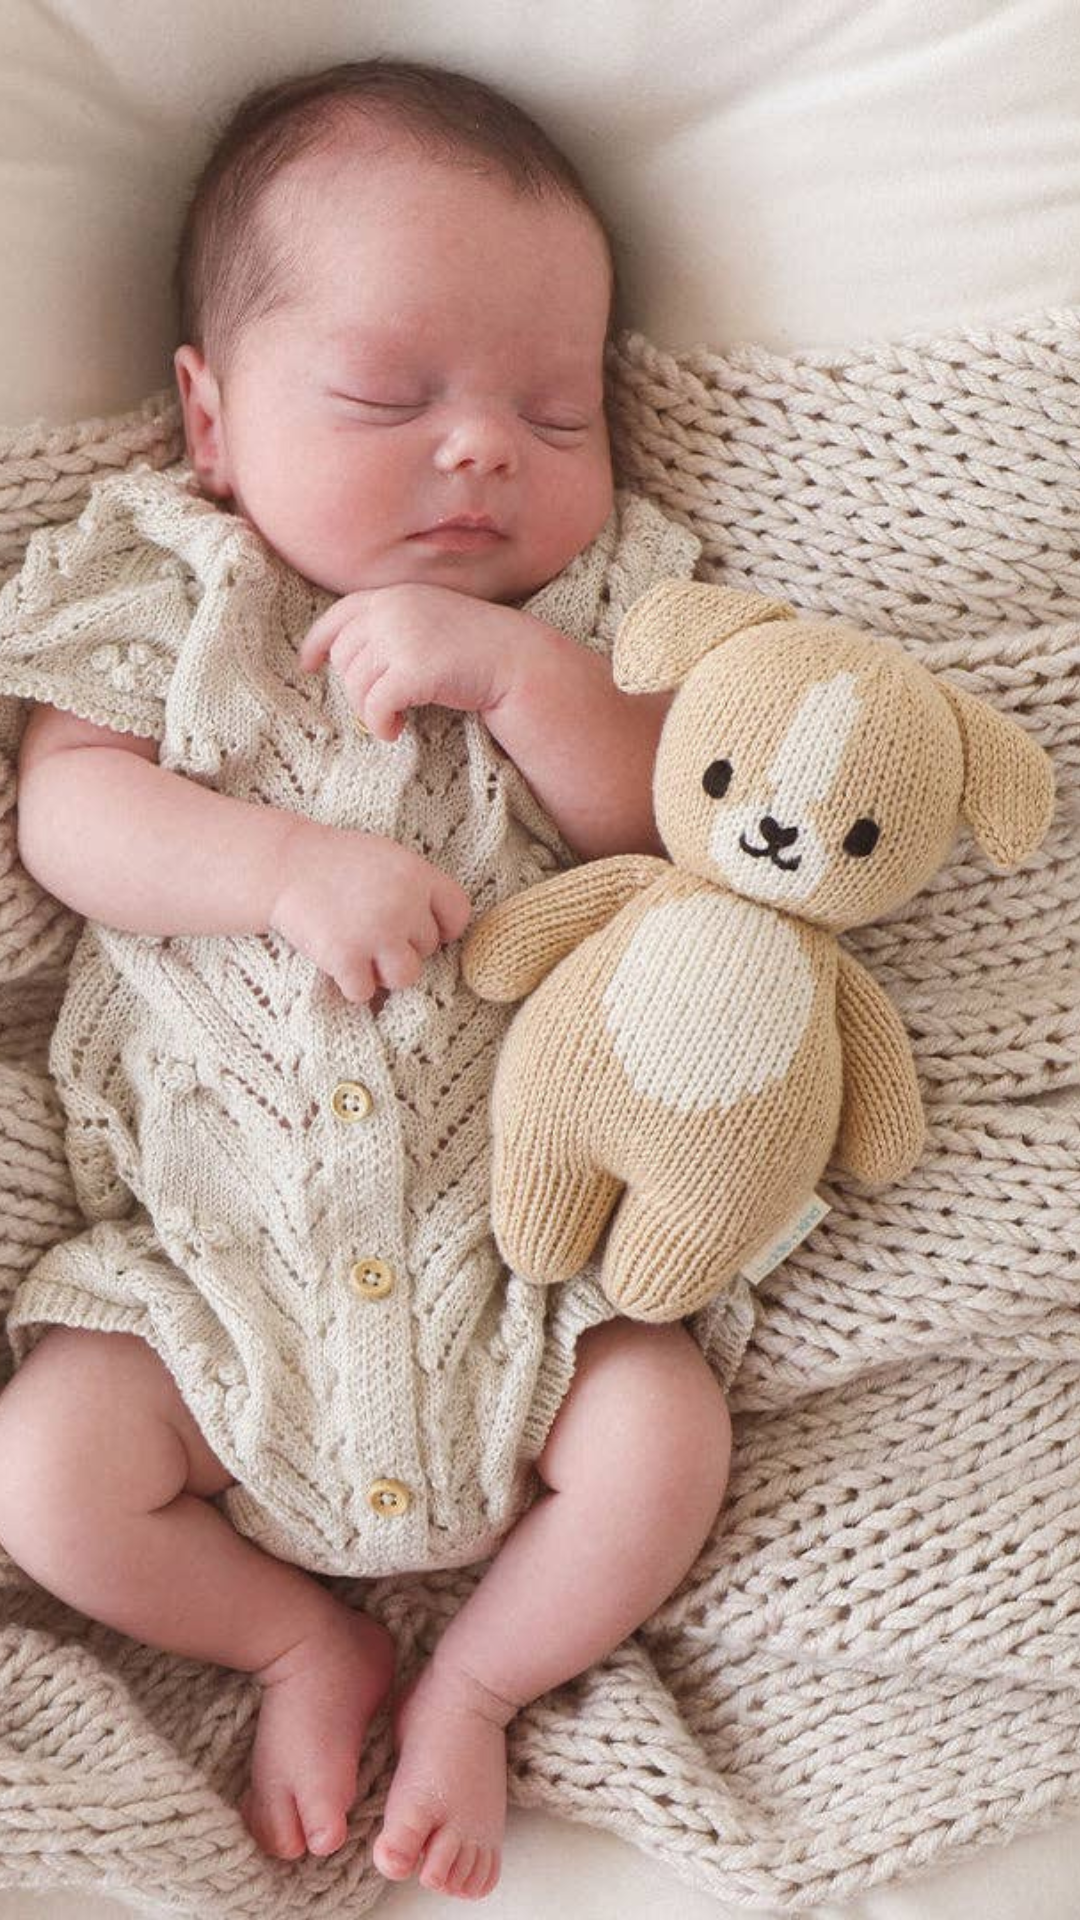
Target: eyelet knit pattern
(238,1133)
(875,1661)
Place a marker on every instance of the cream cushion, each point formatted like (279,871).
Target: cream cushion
(800,173)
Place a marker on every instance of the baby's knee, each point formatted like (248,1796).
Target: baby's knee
(62,1417)
(43,1449)
(39,1465)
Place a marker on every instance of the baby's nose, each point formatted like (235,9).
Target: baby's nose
(480,442)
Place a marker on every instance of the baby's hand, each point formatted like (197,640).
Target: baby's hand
(417,646)
(367,911)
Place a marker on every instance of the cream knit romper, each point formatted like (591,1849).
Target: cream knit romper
(288,1195)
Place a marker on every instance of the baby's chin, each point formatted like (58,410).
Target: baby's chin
(485,576)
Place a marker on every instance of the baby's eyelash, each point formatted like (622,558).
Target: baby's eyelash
(379,406)
(557,426)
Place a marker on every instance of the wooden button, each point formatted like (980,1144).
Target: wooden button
(373,1279)
(360,727)
(389,1498)
(351,1100)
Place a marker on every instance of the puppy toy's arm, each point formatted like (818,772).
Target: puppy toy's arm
(882,1125)
(511,949)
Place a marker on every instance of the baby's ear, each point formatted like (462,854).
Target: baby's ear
(675,624)
(1008,797)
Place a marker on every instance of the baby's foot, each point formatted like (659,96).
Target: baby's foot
(446,1808)
(318,1699)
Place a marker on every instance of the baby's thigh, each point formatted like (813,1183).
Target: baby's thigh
(643,1403)
(89,1408)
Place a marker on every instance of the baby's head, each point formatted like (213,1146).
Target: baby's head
(395,300)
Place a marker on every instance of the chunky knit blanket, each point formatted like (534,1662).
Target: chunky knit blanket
(876,1661)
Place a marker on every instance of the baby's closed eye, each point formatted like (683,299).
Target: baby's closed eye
(560,430)
(380,412)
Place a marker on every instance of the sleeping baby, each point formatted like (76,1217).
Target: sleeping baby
(300,710)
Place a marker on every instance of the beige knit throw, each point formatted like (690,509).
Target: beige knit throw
(875,1660)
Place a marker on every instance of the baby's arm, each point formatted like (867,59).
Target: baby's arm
(125,842)
(585,748)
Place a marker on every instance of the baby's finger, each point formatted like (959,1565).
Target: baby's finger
(381,707)
(320,636)
(356,980)
(399,965)
(451,906)
(427,940)
(346,647)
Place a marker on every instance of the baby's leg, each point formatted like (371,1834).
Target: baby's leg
(636,1466)
(105,1482)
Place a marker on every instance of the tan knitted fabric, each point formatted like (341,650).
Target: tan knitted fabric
(696,1047)
(875,1659)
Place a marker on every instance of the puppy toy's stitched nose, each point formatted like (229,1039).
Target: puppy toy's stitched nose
(776,835)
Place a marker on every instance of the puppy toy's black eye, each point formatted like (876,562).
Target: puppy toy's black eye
(717,778)
(862,839)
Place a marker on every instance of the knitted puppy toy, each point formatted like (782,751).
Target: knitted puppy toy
(695,1032)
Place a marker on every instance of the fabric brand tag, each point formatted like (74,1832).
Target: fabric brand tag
(784,1242)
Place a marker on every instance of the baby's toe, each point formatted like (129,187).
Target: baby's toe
(457,1880)
(441,1857)
(324,1826)
(484,1876)
(274,1823)
(397,1850)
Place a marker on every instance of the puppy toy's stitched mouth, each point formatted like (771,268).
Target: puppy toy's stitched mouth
(769,853)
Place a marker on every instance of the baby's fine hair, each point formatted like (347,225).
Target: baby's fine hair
(228,274)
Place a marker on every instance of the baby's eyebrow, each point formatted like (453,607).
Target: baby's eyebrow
(354,343)
(375,349)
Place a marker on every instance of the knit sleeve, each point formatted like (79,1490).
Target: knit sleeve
(95,620)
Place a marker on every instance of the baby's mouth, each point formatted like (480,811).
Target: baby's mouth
(461,533)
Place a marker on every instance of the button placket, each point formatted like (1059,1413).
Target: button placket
(367,1312)
(360,1197)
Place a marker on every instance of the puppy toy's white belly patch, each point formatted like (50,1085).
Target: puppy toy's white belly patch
(709,1002)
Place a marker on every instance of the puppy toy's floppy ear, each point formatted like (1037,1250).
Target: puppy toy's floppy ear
(1008,797)
(675,624)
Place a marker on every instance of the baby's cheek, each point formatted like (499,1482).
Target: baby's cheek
(328,533)
(571,503)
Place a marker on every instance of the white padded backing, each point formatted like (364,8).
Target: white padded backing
(803,173)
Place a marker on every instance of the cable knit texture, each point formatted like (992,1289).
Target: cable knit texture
(875,1660)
